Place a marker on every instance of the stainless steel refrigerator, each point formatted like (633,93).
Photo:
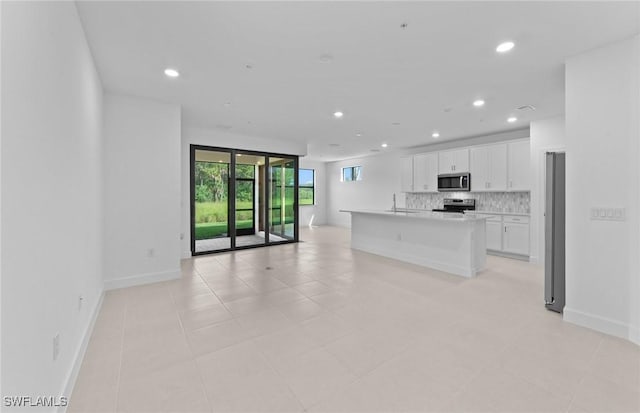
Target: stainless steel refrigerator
(554,284)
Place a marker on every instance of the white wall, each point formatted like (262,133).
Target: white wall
(51,195)
(602,127)
(316,212)
(381,177)
(142,191)
(222,139)
(546,136)
(380,180)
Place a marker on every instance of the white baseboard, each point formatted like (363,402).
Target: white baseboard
(634,335)
(141,279)
(70,382)
(509,255)
(598,323)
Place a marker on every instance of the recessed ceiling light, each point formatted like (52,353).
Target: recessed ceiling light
(171,72)
(338,114)
(512,119)
(478,103)
(435,135)
(505,47)
(239,154)
(358,134)
(384,145)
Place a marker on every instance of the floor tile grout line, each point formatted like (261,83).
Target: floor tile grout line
(193,359)
(586,374)
(274,370)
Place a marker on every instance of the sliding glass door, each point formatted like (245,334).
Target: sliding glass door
(242,199)
(282,211)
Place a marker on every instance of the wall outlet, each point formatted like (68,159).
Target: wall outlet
(56,346)
(608,214)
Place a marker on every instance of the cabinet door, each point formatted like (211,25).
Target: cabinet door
(445,162)
(516,238)
(497,167)
(494,235)
(519,166)
(479,169)
(406,174)
(425,172)
(461,160)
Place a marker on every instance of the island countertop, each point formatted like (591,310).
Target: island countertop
(419,214)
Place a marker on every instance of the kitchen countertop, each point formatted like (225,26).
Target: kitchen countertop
(520,214)
(420,214)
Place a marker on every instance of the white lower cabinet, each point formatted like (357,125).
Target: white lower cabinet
(494,235)
(507,233)
(516,236)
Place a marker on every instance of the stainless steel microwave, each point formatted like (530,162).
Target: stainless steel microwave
(454,182)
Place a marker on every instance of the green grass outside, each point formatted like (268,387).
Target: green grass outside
(211,218)
(215,229)
(209,212)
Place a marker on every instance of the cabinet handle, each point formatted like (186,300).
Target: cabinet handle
(505,229)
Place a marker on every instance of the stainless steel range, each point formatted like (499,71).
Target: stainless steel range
(457,205)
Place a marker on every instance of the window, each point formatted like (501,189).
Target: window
(306,187)
(352,173)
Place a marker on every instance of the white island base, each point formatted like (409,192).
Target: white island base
(447,242)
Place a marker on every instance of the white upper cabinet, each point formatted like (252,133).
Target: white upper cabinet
(425,172)
(406,174)
(489,168)
(453,161)
(519,166)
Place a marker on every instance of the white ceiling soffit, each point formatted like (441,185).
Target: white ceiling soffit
(397,70)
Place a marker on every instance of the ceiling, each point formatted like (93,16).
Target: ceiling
(281,69)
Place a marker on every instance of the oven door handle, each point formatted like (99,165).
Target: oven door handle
(461,180)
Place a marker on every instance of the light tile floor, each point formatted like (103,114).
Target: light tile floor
(332,329)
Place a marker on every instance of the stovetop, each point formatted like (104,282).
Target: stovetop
(458,206)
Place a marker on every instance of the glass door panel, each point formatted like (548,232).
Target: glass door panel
(249,172)
(211,200)
(282,203)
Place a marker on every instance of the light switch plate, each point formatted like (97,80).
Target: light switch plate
(608,214)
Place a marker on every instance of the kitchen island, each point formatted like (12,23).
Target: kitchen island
(453,243)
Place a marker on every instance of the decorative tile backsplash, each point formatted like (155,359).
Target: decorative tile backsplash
(485,201)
